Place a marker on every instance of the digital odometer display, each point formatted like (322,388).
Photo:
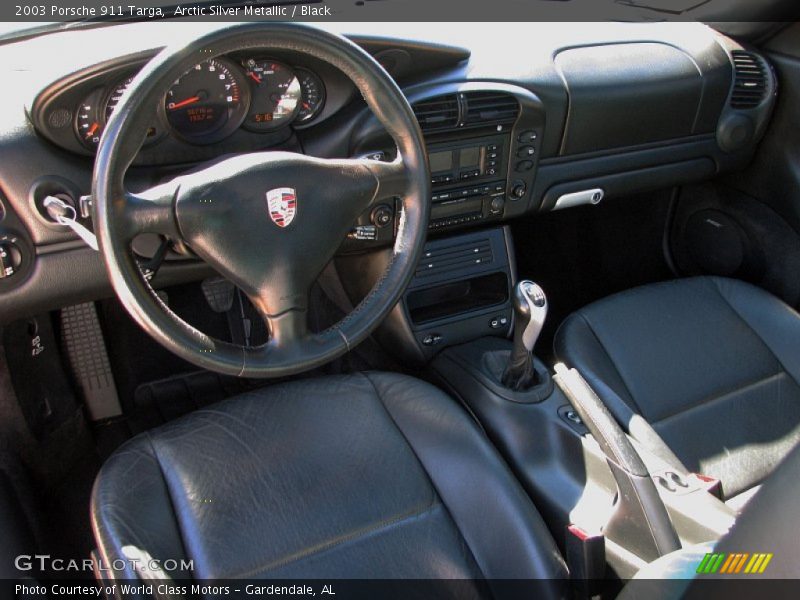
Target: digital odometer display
(206,103)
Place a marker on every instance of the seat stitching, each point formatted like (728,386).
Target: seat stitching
(433,487)
(611,361)
(722,396)
(751,328)
(354,536)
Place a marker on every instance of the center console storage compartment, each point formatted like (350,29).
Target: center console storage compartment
(457,297)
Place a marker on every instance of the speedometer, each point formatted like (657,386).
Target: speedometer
(208,102)
(276,95)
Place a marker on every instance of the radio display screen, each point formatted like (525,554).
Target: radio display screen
(470,158)
(441,210)
(441,161)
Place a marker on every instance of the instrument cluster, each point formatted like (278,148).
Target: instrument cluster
(214,99)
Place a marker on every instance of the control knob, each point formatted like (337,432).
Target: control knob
(519,190)
(10,259)
(497,204)
(382,215)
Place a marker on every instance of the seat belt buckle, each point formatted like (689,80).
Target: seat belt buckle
(710,484)
(586,560)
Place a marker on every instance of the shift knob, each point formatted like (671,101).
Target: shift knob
(530,311)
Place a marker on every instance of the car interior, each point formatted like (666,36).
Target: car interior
(401,302)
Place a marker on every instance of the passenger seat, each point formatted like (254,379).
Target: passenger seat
(705,372)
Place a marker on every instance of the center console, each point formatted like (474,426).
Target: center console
(604,507)
(483,141)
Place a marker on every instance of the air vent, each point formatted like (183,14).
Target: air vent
(490,108)
(750,86)
(437,113)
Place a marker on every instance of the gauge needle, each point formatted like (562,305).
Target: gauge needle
(254,77)
(93,129)
(182,103)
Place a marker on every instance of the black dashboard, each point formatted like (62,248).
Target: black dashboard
(518,118)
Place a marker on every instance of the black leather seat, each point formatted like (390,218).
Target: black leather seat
(704,371)
(366,476)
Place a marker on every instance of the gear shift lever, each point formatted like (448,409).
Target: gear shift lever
(530,311)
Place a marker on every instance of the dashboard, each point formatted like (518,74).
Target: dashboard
(518,118)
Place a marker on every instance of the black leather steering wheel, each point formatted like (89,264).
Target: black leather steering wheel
(222,212)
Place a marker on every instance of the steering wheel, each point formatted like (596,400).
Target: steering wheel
(222,213)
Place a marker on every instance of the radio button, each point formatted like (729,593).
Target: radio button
(497,204)
(526,151)
(524,165)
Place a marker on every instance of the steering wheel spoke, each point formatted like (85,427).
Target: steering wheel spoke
(150,211)
(289,329)
(391,179)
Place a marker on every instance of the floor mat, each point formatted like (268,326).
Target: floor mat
(51,465)
(155,386)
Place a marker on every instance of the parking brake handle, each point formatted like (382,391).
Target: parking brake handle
(640,521)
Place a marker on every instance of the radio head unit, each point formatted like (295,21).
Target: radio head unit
(468,160)
(468,178)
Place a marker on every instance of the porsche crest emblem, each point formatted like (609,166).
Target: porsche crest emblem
(282,205)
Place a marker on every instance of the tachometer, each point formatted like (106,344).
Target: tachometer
(313,95)
(276,95)
(207,103)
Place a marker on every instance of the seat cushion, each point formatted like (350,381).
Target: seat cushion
(704,370)
(364,476)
